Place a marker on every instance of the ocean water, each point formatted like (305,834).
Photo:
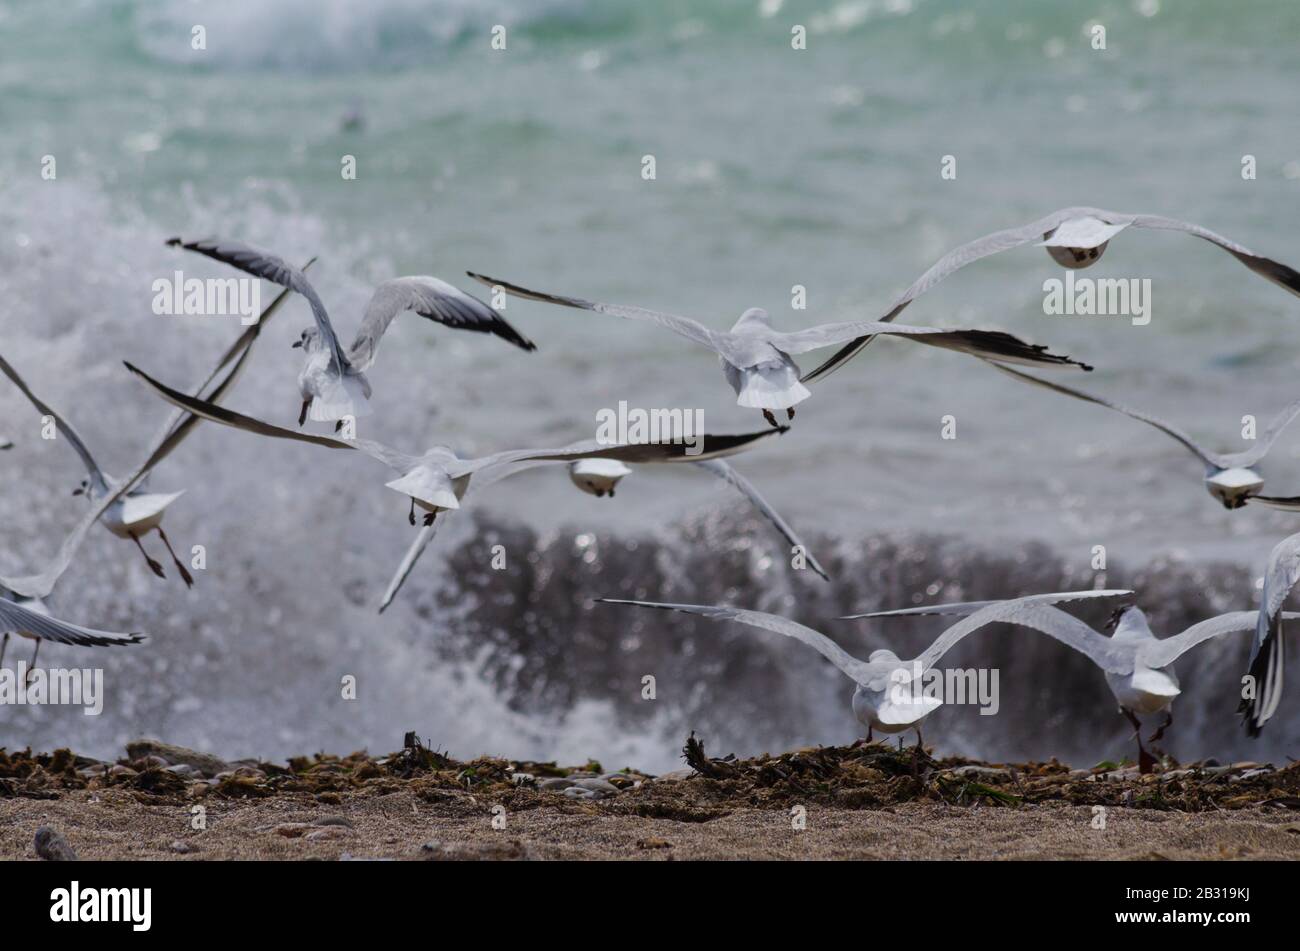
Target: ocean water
(775,167)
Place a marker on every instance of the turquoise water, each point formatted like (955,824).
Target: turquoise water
(775,167)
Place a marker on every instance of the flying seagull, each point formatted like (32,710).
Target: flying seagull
(599,477)
(1075,238)
(175,430)
(756,358)
(437,480)
(30,618)
(1230,477)
(1268,650)
(1137,664)
(333,383)
(883,699)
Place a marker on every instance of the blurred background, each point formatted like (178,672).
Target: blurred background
(775,167)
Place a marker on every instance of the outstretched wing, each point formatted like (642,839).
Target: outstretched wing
(1281,275)
(1264,443)
(70,434)
(1163,652)
(746,488)
(395,460)
(413,554)
(707,447)
(1038,616)
(859,670)
(964,608)
(688,328)
(17,619)
(272,268)
(430,298)
(989,344)
(1205,455)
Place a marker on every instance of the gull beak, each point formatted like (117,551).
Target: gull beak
(78,491)
(296,344)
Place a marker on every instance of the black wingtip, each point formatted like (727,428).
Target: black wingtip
(175,242)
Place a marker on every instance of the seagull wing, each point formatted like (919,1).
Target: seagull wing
(963,608)
(688,328)
(430,298)
(16,618)
(989,344)
(398,461)
(70,434)
(413,554)
(1205,455)
(1163,652)
(1052,621)
(954,260)
(269,267)
(859,670)
(1268,652)
(709,447)
(1280,274)
(742,485)
(1265,442)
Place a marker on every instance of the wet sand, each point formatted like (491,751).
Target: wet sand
(868,802)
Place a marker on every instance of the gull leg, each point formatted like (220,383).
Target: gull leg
(302,413)
(920,743)
(869,735)
(1146,762)
(32,666)
(789,413)
(429,517)
(767,415)
(185,575)
(1159,734)
(154,566)
(411,515)
(3,646)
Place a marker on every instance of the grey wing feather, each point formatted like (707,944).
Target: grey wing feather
(398,461)
(746,488)
(1266,439)
(70,434)
(963,608)
(989,344)
(954,260)
(1205,455)
(860,671)
(1049,620)
(413,554)
(270,267)
(691,329)
(16,618)
(1280,274)
(430,298)
(1165,651)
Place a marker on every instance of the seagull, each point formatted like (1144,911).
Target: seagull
(1268,650)
(882,700)
(756,358)
(599,477)
(333,383)
(30,618)
(1231,477)
(1075,238)
(174,431)
(437,480)
(1137,664)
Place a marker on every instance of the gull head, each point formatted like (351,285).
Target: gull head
(883,656)
(754,317)
(1128,620)
(597,477)
(1233,487)
(1079,242)
(307,340)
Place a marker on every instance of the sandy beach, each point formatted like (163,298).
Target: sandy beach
(866,802)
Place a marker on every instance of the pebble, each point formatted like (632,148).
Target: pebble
(988,773)
(555,783)
(599,786)
(181,847)
(120,770)
(577,792)
(52,846)
(437,851)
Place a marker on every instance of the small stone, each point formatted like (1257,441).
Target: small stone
(330,832)
(52,846)
(989,774)
(120,770)
(653,842)
(577,792)
(600,786)
(181,847)
(675,775)
(182,769)
(205,763)
(555,784)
